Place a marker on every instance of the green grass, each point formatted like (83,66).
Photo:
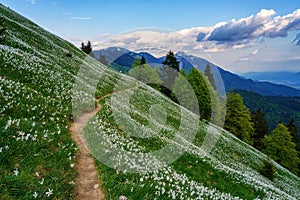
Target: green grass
(230,170)
(37,152)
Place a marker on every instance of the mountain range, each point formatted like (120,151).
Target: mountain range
(288,78)
(121,59)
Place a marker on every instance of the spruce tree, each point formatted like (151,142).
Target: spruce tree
(261,128)
(86,48)
(216,107)
(171,61)
(280,147)
(210,76)
(82,46)
(145,74)
(238,119)
(143,61)
(136,63)
(294,133)
(201,90)
(168,73)
(183,92)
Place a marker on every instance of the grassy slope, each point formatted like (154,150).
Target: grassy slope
(35,91)
(36,80)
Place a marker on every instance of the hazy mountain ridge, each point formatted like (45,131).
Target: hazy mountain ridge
(288,78)
(125,58)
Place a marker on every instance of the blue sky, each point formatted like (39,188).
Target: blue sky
(97,20)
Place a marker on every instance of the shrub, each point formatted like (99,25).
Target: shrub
(268,170)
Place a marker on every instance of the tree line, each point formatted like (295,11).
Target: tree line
(282,144)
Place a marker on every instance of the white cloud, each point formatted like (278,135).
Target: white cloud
(81,18)
(224,36)
(104,35)
(295,58)
(31,1)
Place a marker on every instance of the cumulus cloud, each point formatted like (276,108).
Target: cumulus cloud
(239,30)
(223,36)
(263,24)
(200,37)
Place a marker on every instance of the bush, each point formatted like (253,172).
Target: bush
(268,170)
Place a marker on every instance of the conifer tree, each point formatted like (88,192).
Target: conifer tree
(171,61)
(183,92)
(144,72)
(280,147)
(143,60)
(261,128)
(201,90)
(168,73)
(210,76)
(136,63)
(238,119)
(86,48)
(294,133)
(216,107)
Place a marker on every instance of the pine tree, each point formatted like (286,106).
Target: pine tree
(294,133)
(82,46)
(261,128)
(210,76)
(216,107)
(86,48)
(201,90)
(168,73)
(280,147)
(183,92)
(171,61)
(238,119)
(136,63)
(143,60)
(145,74)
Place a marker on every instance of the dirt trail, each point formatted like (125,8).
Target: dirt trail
(87,183)
(87,186)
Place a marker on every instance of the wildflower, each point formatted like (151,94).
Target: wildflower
(35,195)
(72,165)
(49,192)
(72,182)
(122,198)
(42,181)
(16,172)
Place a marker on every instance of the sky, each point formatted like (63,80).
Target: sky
(239,36)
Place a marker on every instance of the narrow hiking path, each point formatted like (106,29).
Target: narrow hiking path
(87,186)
